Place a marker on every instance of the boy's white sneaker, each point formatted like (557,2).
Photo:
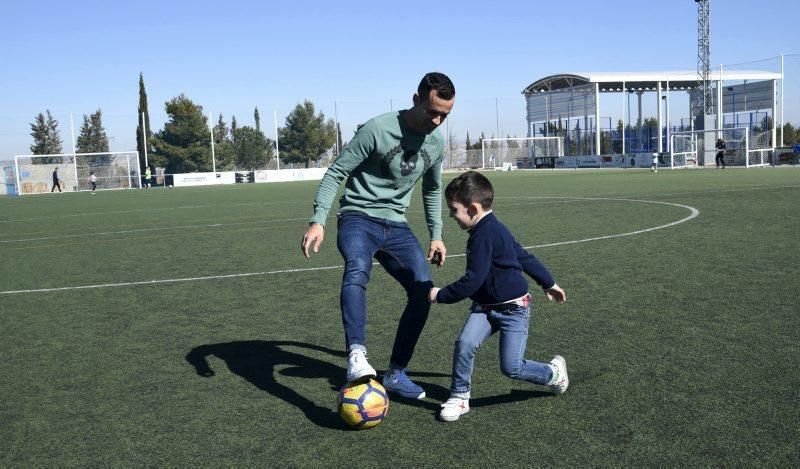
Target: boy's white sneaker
(454,408)
(357,366)
(560,380)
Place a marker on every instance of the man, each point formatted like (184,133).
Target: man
(56,182)
(720,159)
(381,164)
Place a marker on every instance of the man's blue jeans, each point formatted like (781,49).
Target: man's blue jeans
(512,325)
(394,246)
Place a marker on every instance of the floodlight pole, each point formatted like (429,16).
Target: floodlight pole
(211,129)
(720,108)
(624,93)
(497,117)
(660,145)
(783,110)
(74,152)
(336,129)
(277,148)
(597,119)
(669,140)
(16,173)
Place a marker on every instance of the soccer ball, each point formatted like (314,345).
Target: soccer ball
(363,404)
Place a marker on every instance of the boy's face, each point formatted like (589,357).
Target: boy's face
(465,216)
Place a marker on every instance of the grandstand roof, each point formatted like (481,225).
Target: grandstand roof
(644,81)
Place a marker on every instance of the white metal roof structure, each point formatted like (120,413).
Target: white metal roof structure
(571,95)
(638,81)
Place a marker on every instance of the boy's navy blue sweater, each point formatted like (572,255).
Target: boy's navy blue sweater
(495,262)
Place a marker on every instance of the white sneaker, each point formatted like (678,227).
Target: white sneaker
(560,380)
(454,408)
(357,366)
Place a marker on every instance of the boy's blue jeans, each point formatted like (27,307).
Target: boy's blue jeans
(512,324)
(394,246)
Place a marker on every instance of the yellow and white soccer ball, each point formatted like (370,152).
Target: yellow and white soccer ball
(363,404)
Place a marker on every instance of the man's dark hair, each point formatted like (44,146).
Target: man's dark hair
(440,83)
(470,187)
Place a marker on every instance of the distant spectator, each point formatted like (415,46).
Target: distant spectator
(93,181)
(56,182)
(720,153)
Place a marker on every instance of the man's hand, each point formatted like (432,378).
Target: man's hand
(432,294)
(314,234)
(556,293)
(437,246)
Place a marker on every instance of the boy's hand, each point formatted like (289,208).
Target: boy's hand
(437,247)
(432,294)
(556,293)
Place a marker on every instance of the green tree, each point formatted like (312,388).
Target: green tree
(339,143)
(234,126)
(791,134)
(183,145)
(46,139)
(306,136)
(252,149)
(511,143)
(92,138)
(469,144)
(257,118)
(479,144)
(146,134)
(223,146)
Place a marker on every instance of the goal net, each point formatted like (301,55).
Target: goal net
(519,152)
(114,170)
(698,147)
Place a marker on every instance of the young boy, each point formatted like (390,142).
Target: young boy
(499,292)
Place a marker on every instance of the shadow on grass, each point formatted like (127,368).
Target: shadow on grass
(256,360)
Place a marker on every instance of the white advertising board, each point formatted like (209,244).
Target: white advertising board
(286,175)
(203,179)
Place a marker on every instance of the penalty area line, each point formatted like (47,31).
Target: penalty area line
(693,214)
(170,280)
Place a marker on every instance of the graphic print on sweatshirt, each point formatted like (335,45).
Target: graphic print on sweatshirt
(404,170)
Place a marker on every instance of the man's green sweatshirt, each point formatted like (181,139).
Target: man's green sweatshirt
(382,163)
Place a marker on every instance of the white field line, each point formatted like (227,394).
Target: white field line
(161,209)
(709,191)
(219,225)
(142,230)
(693,213)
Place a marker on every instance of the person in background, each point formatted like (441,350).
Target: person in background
(56,182)
(720,153)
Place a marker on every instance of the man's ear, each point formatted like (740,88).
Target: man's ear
(416,99)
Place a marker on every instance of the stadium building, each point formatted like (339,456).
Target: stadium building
(567,105)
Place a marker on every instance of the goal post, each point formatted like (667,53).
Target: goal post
(521,152)
(698,147)
(114,170)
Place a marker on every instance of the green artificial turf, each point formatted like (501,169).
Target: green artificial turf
(207,339)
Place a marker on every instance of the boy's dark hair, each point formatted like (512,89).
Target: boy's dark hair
(440,83)
(470,187)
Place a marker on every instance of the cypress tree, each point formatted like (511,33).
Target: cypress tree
(142,110)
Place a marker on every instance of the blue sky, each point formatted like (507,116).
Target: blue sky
(367,57)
